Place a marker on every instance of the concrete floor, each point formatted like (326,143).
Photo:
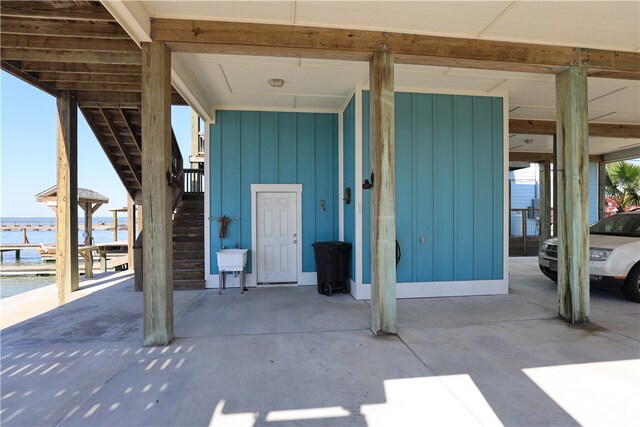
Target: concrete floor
(288,356)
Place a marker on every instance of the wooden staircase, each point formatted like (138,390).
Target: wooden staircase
(188,242)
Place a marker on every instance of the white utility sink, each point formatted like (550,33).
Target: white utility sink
(232,259)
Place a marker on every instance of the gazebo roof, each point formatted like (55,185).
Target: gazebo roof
(84,196)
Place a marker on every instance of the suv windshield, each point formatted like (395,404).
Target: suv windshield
(618,225)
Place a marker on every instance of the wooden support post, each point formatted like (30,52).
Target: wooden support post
(25,239)
(115,225)
(545,200)
(67,274)
(601,187)
(383,196)
(573,194)
(156,194)
(88,224)
(554,186)
(131,229)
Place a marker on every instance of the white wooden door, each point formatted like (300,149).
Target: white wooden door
(277,237)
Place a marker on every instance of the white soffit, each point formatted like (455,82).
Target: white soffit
(452,18)
(274,12)
(596,24)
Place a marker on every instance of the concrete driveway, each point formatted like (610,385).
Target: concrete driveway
(288,356)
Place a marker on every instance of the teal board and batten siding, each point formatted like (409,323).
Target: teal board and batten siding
(449,187)
(349,178)
(250,147)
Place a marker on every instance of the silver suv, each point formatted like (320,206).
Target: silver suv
(614,254)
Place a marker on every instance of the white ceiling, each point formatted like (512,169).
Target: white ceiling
(228,81)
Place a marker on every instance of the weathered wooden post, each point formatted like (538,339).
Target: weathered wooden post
(131,230)
(602,170)
(156,194)
(545,200)
(573,194)
(115,225)
(67,274)
(88,224)
(383,196)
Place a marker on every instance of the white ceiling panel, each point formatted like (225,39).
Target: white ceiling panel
(440,81)
(426,69)
(539,144)
(453,18)
(247,11)
(239,59)
(324,103)
(631,117)
(309,80)
(600,145)
(334,63)
(626,99)
(595,24)
(505,75)
(534,113)
(535,93)
(242,100)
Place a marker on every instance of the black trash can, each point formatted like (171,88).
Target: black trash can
(332,265)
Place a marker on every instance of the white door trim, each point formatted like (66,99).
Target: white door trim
(274,188)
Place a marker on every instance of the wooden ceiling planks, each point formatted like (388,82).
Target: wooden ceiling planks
(78,46)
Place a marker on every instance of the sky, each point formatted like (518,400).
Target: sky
(28,151)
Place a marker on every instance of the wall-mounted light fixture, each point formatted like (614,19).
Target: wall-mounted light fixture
(276,82)
(368,185)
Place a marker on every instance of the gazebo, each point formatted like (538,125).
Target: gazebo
(89,200)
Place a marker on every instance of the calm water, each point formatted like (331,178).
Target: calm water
(12,285)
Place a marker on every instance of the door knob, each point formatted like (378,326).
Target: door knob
(295,235)
(295,241)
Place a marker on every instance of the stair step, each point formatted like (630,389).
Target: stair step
(194,273)
(188,229)
(188,246)
(188,255)
(188,238)
(188,264)
(188,284)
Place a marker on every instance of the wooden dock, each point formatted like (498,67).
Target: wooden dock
(115,263)
(52,227)
(112,255)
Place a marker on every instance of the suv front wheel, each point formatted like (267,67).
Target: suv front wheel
(631,287)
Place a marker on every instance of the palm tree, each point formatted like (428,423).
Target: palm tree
(622,184)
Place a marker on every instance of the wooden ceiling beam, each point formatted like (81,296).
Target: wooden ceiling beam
(70,11)
(334,43)
(28,78)
(94,78)
(67,43)
(109,30)
(78,67)
(97,87)
(113,129)
(548,127)
(58,55)
(91,99)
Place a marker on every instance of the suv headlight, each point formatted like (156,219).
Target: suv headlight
(596,254)
(544,247)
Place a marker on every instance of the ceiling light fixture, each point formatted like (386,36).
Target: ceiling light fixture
(276,82)
(528,141)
